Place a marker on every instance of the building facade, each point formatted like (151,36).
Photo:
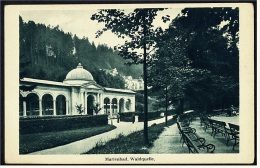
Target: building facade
(77,94)
(133,84)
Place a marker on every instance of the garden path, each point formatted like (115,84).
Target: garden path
(85,145)
(169,140)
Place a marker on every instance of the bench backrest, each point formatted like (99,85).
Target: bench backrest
(178,125)
(192,148)
(217,123)
(233,128)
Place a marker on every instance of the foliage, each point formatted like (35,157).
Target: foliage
(130,144)
(138,30)
(39,141)
(97,108)
(79,108)
(108,80)
(151,116)
(48,53)
(198,58)
(60,123)
(134,26)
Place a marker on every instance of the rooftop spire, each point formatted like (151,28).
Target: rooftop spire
(79,66)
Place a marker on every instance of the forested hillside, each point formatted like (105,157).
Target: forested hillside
(46,52)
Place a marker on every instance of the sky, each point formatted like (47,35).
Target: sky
(78,22)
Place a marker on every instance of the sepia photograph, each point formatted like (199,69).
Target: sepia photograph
(129,84)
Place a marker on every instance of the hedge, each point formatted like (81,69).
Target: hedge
(150,115)
(126,116)
(51,124)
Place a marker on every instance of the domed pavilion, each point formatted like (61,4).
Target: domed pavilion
(79,89)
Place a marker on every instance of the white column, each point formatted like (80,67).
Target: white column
(86,110)
(72,107)
(82,99)
(133,104)
(24,108)
(101,103)
(85,102)
(98,101)
(110,107)
(117,105)
(130,104)
(67,107)
(40,107)
(54,107)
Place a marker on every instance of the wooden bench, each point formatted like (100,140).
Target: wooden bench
(197,145)
(218,127)
(204,122)
(233,134)
(194,142)
(183,128)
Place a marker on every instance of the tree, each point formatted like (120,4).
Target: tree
(135,27)
(199,56)
(46,52)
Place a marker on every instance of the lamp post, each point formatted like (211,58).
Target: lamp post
(146,141)
(166,106)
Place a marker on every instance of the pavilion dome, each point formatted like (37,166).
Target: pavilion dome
(78,75)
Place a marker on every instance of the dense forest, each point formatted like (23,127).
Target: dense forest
(49,53)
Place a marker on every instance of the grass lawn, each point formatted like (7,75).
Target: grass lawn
(34,142)
(132,143)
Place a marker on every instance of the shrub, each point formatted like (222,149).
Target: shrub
(150,116)
(49,124)
(126,116)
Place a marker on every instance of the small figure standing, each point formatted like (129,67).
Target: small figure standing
(230,111)
(233,110)
(133,118)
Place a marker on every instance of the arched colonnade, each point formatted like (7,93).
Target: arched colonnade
(47,103)
(41,104)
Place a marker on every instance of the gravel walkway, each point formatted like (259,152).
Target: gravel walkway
(85,145)
(169,140)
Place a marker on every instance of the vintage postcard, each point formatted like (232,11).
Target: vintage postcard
(186,98)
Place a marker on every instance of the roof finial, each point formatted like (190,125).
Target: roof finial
(79,66)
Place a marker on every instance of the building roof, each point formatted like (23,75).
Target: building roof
(79,73)
(47,82)
(118,90)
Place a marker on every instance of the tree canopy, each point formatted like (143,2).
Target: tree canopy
(138,30)
(198,58)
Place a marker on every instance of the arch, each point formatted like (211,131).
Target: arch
(90,104)
(61,94)
(128,104)
(48,93)
(114,105)
(61,105)
(32,105)
(25,94)
(47,104)
(107,105)
(121,105)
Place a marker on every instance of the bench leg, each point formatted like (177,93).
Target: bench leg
(228,138)
(212,132)
(236,143)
